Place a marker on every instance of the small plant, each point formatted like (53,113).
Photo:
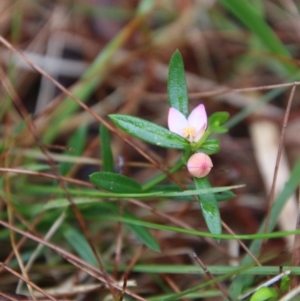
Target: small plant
(188,133)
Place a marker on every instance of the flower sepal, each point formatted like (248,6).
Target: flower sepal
(218,129)
(216,120)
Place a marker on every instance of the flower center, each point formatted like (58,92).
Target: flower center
(189,132)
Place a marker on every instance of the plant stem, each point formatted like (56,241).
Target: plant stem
(163,176)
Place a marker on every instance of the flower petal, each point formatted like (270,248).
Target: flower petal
(200,133)
(198,118)
(176,121)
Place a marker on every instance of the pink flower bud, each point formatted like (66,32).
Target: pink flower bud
(199,165)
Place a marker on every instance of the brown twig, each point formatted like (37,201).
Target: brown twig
(174,286)
(210,276)
(227,90)
(280,149)
(46,175)
(30,283)
(295,279)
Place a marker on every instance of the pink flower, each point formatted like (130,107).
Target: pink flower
(191,128)
(199,165)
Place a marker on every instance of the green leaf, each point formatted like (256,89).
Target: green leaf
(218,129)
(218,118)
(177,91)
(149,132)
(209,206)
(143,234)
(285,283)
(115,182)
(265,294)
(210,147)
(76,143)
(79,243)
(106,152)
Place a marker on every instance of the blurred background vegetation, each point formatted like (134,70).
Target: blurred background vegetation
(113,55)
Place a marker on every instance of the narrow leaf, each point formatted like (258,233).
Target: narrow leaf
(79,244)
(177,91)
(106,152)
(76,143)
(285,284)
(149,132)
(143,234)
(115,182)
(265,294)
(209,206)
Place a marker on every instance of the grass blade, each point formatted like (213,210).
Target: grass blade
(76,143)
(106,152)
(249,16)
